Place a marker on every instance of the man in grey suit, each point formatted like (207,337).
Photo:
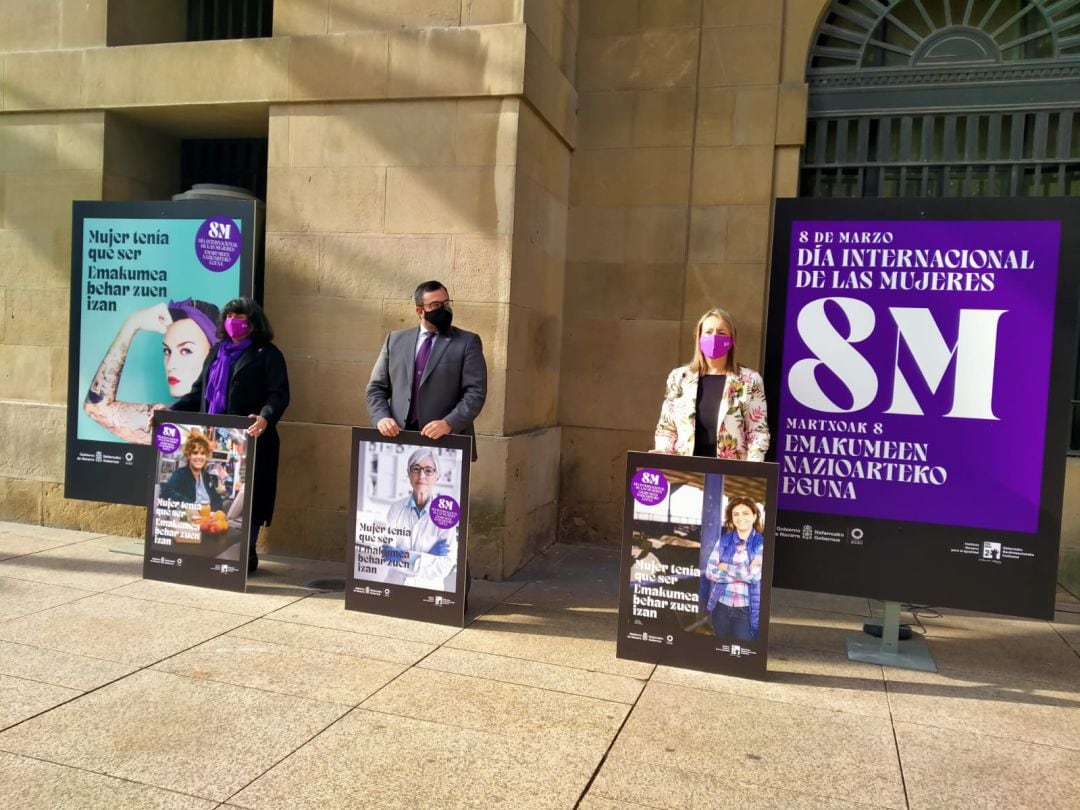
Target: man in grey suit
(449,391)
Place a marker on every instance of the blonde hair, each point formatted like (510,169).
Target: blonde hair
(699,365)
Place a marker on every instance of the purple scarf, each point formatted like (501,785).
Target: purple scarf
(217,381)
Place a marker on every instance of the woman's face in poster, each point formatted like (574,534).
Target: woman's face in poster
(186,347)
(742,517)
(423,475)
(197,458)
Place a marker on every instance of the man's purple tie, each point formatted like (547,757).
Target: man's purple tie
(421,363)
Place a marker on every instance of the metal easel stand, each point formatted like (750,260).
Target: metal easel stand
(889,650)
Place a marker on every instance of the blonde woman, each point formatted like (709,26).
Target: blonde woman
(714,406)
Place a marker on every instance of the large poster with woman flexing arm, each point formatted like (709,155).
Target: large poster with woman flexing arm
(148,279)
(697,558)
(919,375)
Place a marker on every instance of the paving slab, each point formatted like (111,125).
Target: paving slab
(589,597)
(342,642)
(548,564)
(371,759)
(313,674)
(582,639)
(584,572)
(541,715)
(827,754)
(800,676)
(49,533)
(252,604)
(118,628)
(15,544)
(1001,649)
(820,630)
(328,610)
(1031,712)
(485,595)
(534,673)
(592,802)
(954,769)
(277,574)
(200,738)
(1067,626)
(89,565)
(30,784)
(827,602)
(20,597)
(299,569)
(703,782)
(20,698)
(59,668)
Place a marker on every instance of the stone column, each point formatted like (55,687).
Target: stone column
(403,156)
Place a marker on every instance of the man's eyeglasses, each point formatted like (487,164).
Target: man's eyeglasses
(417,470)
(434,305)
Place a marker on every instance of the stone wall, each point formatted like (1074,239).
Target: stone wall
(691,116)
(408,140)
(365,201)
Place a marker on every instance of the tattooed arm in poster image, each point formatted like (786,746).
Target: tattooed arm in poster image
(185,345)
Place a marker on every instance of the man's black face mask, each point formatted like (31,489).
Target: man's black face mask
(440,318)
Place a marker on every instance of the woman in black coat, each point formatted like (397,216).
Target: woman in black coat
(245,375)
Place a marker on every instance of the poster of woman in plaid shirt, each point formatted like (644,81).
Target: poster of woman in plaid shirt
(697,562)
(733,572)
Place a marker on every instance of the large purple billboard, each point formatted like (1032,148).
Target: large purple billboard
(917,398)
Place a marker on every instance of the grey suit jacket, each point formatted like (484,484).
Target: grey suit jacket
(454,385)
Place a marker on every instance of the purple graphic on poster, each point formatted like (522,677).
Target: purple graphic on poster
(916,369)
(167,438)
(649,487)
(218,243)
(445,512)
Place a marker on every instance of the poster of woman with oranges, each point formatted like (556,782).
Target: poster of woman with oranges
(200,506)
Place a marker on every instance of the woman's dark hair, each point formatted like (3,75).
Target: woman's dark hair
(426,287)
(178,310)
(741,500)
(261,331)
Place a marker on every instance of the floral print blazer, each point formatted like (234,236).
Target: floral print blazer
(743,431)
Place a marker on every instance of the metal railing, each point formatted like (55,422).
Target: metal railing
(229,19)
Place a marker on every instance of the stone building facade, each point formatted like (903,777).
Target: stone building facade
(586,176)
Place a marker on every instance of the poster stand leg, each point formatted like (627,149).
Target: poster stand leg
(889,650)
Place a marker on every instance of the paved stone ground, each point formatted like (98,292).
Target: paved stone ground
(117,692)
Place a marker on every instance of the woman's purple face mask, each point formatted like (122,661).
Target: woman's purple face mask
(715,346)
(237,326)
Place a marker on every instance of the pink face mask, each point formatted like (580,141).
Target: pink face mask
(715,346)
(237,328)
